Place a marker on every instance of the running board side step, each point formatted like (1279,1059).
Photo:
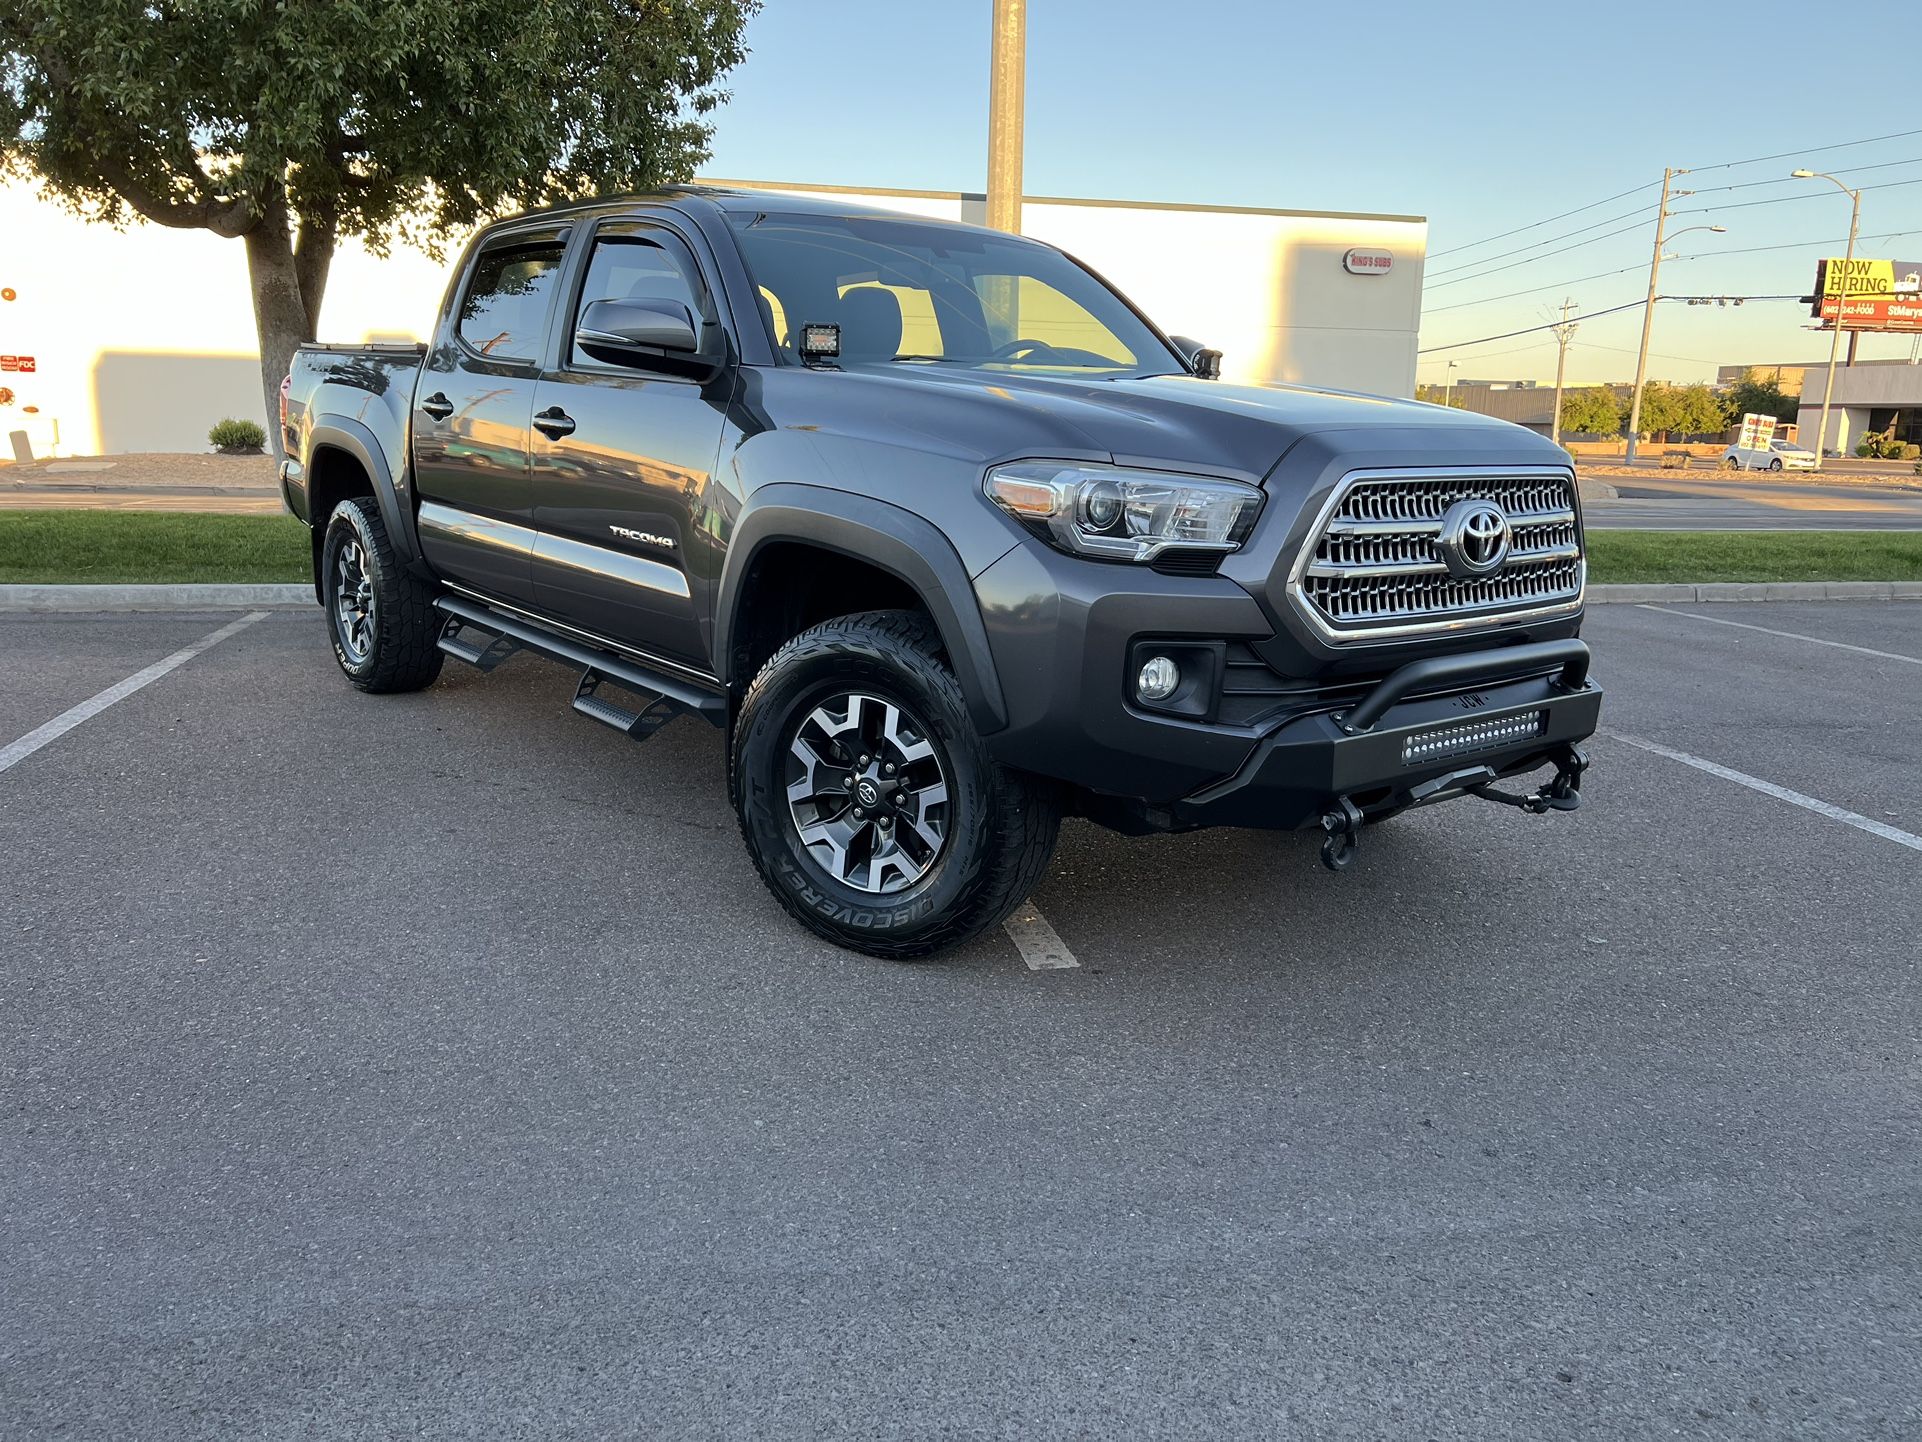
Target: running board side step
(482,655)
(666,695)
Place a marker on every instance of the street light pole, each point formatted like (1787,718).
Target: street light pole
(1841,302)
(1448,391)
(1564,332)
(1007,75)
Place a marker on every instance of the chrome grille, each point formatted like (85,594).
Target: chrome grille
(1376,570)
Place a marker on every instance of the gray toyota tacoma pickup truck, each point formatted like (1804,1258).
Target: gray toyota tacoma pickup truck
(949,540)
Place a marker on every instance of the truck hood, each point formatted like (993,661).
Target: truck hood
(1170,422)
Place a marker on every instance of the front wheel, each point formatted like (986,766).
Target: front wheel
(381,619)
(1776,464)
(869,802)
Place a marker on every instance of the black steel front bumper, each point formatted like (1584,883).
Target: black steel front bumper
(1394,748)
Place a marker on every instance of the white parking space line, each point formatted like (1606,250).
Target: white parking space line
(1791,635)
(1040,944)
(1780,793)
(17,751)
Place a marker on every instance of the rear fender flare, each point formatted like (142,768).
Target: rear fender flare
(344,433)
(899,542)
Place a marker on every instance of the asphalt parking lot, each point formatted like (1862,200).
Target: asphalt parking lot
(436,1066)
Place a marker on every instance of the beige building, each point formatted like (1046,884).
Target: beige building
(142,339)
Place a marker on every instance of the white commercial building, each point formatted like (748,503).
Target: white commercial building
(141,339)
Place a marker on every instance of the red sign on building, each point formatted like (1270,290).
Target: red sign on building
(18,364)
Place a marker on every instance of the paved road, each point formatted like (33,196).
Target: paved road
(436,1066)
(1715,503)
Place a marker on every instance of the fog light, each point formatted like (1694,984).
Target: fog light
(1158,679)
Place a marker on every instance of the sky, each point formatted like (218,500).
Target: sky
(1483,117)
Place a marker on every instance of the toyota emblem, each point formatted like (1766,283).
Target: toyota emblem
(1474,538)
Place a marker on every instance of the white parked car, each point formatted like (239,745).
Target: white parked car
(1776,456)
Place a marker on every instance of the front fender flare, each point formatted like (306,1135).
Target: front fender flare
(899,542)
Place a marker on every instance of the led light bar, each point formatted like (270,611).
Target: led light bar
(1425,746)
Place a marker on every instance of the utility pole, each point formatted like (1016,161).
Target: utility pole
(1564,331)
(1448,391)
(1841,302)
(1648,313)
(1006,82)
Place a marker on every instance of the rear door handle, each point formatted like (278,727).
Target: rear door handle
(554,422)
(438,406)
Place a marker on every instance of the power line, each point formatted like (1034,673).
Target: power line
(1593,315)
(1528,330)
(1534,290)
(1532,245)
(1793,180)
(1700,169)
(1794,245)
(1480,274)
(1807,150)
(1788,199)
(1538,224)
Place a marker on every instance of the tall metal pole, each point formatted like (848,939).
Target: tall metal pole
(1835,339)
(1648,315)
(1448,391)
(1007,77)
(1564,332)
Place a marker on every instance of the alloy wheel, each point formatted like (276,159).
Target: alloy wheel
(867,793)
(353,603)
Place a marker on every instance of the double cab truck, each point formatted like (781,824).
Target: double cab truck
(947,538)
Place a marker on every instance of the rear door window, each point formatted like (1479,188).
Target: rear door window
(504,311)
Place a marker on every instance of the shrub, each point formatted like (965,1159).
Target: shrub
(237,438)
(1911,452)
(1866,449)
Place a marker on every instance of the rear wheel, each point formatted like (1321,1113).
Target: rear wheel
(381,619)
(1730,463)
(869,802)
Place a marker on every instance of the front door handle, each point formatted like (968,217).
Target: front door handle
(438,406)
(554,422)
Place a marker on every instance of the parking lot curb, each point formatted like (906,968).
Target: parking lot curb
(152,598)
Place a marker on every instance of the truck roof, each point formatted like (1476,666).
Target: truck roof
(729,199)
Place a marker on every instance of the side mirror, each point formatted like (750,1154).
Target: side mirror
(1201,361)
(638,332)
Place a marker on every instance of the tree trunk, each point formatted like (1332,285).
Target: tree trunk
(280,311)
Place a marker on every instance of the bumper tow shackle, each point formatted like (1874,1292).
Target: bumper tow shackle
(1562,792)
(1342,840)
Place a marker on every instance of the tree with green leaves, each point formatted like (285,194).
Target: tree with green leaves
(1591,411)
(1441,396)
(1681,411)
(290,126)
(1758,396)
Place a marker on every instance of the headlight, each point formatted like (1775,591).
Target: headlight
(1122,514)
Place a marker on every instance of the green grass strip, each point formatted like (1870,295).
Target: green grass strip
(103,547)
(1639,557)
(65,547)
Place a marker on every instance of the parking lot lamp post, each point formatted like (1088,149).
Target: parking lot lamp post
(1448,389)
(1841,302)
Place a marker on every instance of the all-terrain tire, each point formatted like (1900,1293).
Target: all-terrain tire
(393,644)
(1000,824)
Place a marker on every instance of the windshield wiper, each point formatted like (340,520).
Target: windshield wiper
(924,358)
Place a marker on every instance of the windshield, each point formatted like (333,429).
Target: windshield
(919,293)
